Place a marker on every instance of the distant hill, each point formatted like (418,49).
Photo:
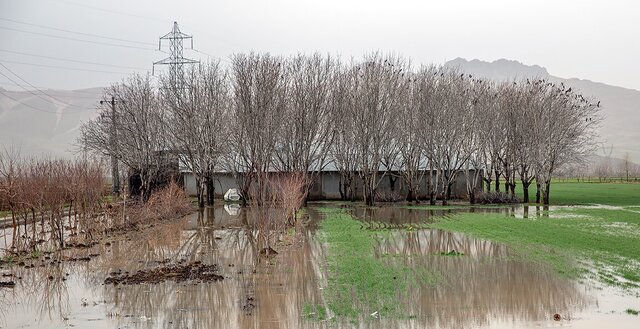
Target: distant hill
(45,125)
(620,106)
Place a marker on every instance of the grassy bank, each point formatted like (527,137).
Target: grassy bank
(359,283)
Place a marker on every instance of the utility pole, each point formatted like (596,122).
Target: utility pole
(175,59)
(115,175)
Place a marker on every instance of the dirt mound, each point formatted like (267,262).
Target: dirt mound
(195,271)
(7,284)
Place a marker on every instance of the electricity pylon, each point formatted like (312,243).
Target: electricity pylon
(175,60)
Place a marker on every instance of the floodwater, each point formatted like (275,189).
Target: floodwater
(484,288)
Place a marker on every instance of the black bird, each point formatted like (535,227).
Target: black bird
(569,90)
(598,105)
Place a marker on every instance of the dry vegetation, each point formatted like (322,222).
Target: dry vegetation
(277,203)
(55,203)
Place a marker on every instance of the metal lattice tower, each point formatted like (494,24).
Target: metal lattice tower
(175,60)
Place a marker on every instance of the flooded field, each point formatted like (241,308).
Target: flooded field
(477,283)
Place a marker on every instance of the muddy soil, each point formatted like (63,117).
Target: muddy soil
(194,272)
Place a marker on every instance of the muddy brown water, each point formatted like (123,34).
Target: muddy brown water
(484,288)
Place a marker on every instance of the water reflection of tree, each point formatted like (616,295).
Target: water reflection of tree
(279,292)
(483,286)
(41,292)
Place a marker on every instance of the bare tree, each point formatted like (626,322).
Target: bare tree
(625,166)
(344,151)
(453,139)
(198,117)
(376,87)
(141,142)
(416,130)
(259,90)
(307,134)
(428,100)
(482,102)
(565,128)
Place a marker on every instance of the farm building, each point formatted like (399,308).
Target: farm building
(328,185)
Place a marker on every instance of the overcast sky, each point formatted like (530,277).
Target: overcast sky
(595,40)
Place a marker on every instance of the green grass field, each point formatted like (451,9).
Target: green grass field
(590,193)
(586,242)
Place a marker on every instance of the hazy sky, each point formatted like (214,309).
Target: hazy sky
(595,40)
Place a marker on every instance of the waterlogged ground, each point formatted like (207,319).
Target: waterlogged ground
(404,273)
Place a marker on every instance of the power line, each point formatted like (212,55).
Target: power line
(28,83)
(150,18)
(114,11)
(71,60)
(83,93)
(75,39)
(66,68)
(54,92)
(25,104)
(212,56)
(4,92)
(75,32)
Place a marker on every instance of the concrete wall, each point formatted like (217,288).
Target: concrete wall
(221,183)
(327,186)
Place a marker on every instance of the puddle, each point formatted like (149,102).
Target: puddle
(391,217)
(482,287)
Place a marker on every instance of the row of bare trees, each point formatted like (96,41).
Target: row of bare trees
(372,119)
(51,203)
(47,199)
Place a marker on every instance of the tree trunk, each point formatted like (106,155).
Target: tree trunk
(545,196)
(200,193)
(392,182)
(488,184)
(410,196)
(445,195)
(210,191)
(525,192)
(368,198)
(497,181)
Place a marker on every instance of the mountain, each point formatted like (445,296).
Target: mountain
(620,107)
(45,123)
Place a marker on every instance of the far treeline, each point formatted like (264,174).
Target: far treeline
(268,114)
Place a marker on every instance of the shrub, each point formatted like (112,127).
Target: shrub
(496,198)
